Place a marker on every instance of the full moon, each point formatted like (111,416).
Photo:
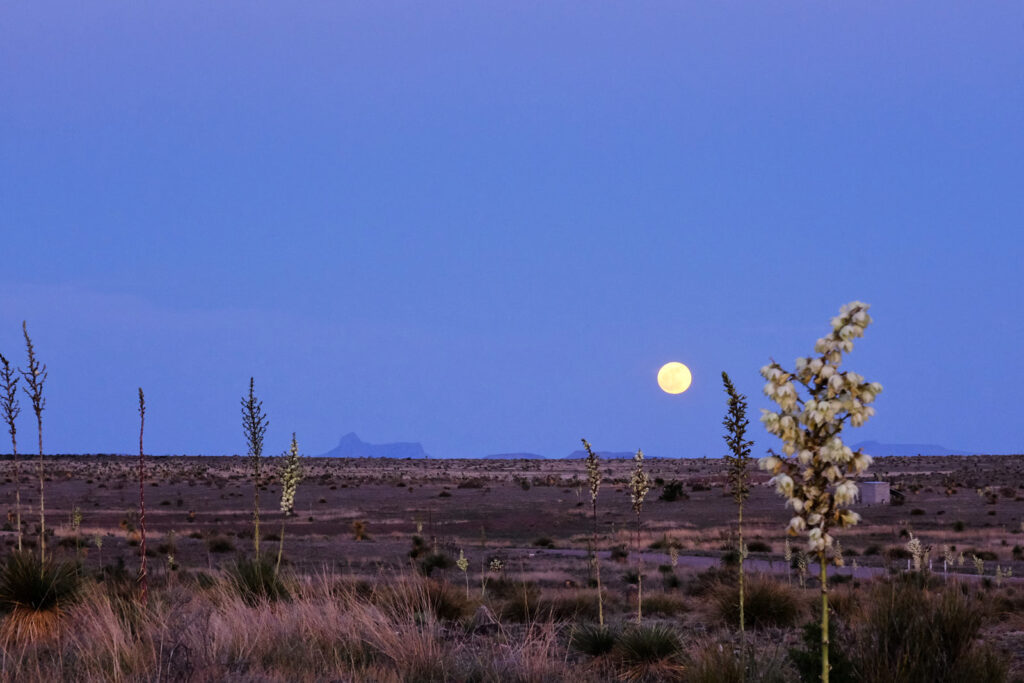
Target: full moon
(674,378)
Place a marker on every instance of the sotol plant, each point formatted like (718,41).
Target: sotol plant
(594,482)
(737,464)
(813,472)
(254,425)
(11,409)
(35,377)
(639,485)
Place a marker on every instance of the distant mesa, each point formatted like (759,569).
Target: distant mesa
(875,448)
(514,456)
(604,455)
(351,446)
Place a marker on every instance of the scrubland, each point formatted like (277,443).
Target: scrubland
(370,588)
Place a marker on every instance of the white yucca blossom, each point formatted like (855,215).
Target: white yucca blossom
(916,551)
(462,563)
(639,483)
(291,475)
(815,469)
(593,471)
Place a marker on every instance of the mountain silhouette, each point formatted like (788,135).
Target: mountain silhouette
(351,446)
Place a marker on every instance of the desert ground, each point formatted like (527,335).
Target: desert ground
(525,528)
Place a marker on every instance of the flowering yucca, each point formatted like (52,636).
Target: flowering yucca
(594,482)
(639,485)
(290,475)
(813,473)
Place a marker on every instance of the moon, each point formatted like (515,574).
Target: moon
(674,378)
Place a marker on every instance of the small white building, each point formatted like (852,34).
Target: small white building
(874,492)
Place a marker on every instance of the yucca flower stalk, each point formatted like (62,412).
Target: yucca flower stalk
(639,485)
(143,576)
(254,425)
(35,377)
(737,461)
(290,476)
(594,483)
(11,409)
(813,473)
(463,564)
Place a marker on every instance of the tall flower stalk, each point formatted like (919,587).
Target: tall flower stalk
(290,476)
(254,425)
(594,482)
(11,409)
(639,485)
(815,469)
(35,377)
(737,464)
(143,576)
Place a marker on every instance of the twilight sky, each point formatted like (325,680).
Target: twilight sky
(484,226)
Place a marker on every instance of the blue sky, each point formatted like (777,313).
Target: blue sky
(484,226)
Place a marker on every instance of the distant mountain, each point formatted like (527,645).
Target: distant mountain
(351,446)
(903,449)
(604,455)
(514,456)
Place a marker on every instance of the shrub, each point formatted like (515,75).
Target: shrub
(717,663)
(220,544)
(434,561)
(36,593)
(619,553)
(650,652)
(256,581)
(444,601)
(673,491)
(593,639)
(767,603)
(807,657)
(665,605)
(959,526)
(910,634)
(759,547)
(544,542)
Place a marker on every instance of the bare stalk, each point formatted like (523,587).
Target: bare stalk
(11,410)
(737,461)
(143,576)
(254,424)
(35,377)
(825,667)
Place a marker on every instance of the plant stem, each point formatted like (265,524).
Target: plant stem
(597,571)
(742,631)
(280,550)
(639,574)
(824,617)
(143,577)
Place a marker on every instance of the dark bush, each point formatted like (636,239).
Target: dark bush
(766,603)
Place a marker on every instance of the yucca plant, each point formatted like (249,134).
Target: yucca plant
(35,377)
(143,577)
(737,461)
(11,409)
(594,483)
(290,476)
(36,592)
(813,473)
(254,425)
(256,580)
(639,485)
(650,653)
